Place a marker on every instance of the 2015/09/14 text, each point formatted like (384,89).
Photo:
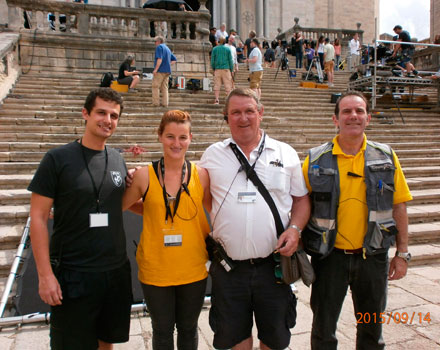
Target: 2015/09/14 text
(396,317)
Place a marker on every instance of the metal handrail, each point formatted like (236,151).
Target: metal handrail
(14,268)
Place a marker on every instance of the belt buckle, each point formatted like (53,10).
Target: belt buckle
(347,252)
(252,261)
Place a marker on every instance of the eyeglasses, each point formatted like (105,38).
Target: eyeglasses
(278,273)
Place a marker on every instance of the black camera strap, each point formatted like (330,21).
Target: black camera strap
(186,165)
(252,175)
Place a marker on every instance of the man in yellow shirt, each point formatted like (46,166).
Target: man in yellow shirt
(359,196)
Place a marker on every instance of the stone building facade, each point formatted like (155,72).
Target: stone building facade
(266,16)
(435,19)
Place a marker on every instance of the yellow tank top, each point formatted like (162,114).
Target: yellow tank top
(162,265)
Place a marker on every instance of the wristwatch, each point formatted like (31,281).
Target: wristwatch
(296,228)
(405,256)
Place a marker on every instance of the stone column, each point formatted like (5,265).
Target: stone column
(216,13)
(223,18)
(232,18)
(239,19)
(259,17)
(266,18)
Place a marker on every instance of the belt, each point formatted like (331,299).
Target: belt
(349,251)
(254,261)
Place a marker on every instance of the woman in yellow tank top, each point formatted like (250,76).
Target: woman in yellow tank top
(171,255)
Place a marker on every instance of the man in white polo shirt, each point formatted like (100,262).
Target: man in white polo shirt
(354,46)
(244,225)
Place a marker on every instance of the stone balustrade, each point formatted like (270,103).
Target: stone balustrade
(344,35)
(427,59)
(9,63)
(99,38)
(106,20)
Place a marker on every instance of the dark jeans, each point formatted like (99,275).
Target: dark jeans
(338,60)
(175,305)
(367,279)
(321,59)
(299,59)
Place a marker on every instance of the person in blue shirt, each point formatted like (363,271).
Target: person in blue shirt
(163,58)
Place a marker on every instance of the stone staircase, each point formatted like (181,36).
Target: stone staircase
(44,111)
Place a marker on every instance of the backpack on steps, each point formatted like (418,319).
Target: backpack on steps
(106,79)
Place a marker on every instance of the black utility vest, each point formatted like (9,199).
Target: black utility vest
(320,233)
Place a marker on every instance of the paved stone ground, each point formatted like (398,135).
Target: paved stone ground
(417,294)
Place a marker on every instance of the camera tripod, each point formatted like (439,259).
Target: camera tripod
(283,58)
(315,62)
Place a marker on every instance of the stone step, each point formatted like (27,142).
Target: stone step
(14,214)
(424,233)
(20,195)
(424,213)
(10,235)
(430,196)
(14,196)
(422,254)
(418,183)
(13,181)
(6,258)
(150,144)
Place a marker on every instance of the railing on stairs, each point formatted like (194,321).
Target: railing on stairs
(427,59)
(344,35)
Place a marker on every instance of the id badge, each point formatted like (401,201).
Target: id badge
(247,197)
(172,238)
(98,220)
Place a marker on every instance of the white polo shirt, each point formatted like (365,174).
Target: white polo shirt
(233,52)
(247,230)
(354,47)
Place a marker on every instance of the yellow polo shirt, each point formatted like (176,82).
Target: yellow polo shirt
(353,211)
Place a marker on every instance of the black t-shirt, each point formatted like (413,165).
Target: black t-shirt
(299,45)
(247,43)
(404,36)
(212,39)
(62,176)
(123,67)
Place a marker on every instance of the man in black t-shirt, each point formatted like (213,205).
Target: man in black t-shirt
(84,272)
(406,50)
(247,43)
(212,38)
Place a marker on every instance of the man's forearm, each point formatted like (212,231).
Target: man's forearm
(401,218)
(158,63)
(40,246)
(300,212)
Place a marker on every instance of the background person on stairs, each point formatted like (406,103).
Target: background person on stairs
(222,63)
(163,58)
(127,75)
(255,61)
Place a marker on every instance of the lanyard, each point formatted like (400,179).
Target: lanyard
(242,159)
(164,190)
(97,191)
